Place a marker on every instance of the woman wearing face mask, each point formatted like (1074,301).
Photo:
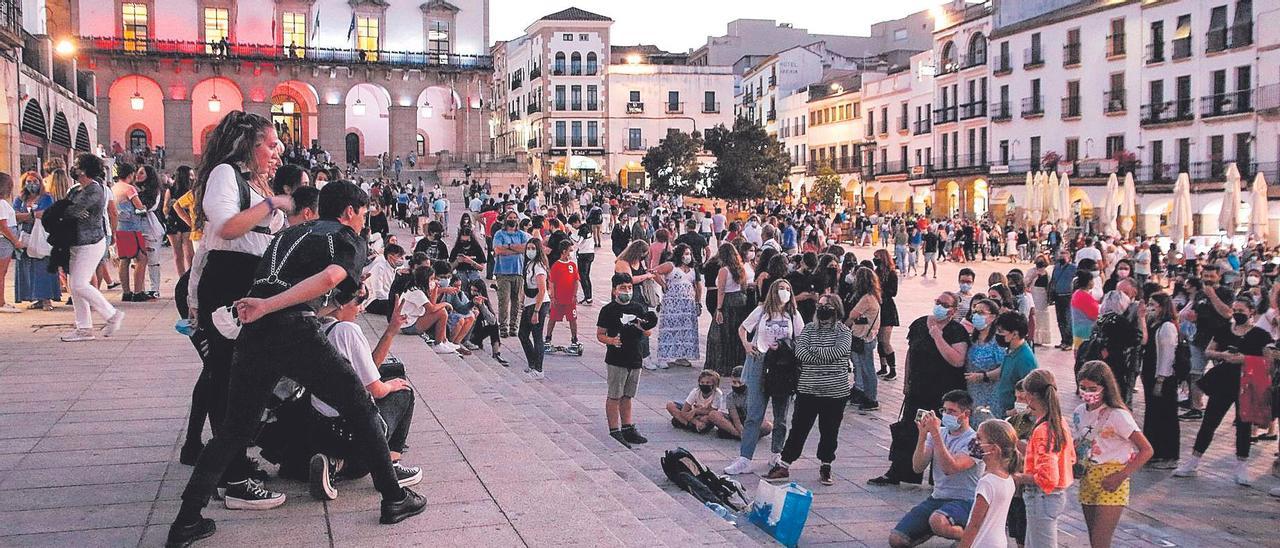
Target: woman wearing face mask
(1038,279)
(1222,385)
(467,256)
(823,351)
(536,306)
(1160,386)
(864,322)
(32,279)
(1111,448)
(1254,287)
(681,306)
(771,325)
(1123,270)
(985,355)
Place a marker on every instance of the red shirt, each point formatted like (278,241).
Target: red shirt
(564,282)
(487,219)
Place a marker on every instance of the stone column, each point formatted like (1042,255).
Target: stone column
(104,122)
(402,127)
(177,133)
(333,131)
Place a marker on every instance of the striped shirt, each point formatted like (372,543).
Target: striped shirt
(823,352)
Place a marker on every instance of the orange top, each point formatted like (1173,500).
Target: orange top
(1051,470)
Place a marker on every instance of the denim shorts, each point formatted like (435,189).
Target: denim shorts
(6,247)
(915,525)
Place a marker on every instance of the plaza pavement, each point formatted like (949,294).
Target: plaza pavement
(89,437)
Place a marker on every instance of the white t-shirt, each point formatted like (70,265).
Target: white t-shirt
(1089,252)
(1103,434)
(222,202)
(772,329)
(714,401)
(531,283)
(704,224)
(381,274)
(8,217)
(349,340)
(998,492)
(584,246)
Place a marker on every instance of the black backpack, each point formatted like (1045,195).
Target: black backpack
(781,370)
(1182,359)
(683,469)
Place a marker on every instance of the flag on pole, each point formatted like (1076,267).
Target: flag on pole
(315,27)
(273,29)
(352,29)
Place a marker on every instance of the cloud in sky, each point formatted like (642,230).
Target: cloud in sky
(680,25)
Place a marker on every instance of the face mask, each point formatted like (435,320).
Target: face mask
(940,312)
(1091,398)
(1122,273)
(531,253)
(1021,406)
(509,224)
(624,298)
(975,450)
(950,422)
(965,287)
(33,188)
(826,313)
(1240,319)
(979,322)
(1253,280)
(705,389)
(740,389)
(784,296)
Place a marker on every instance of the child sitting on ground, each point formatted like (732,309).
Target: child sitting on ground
(705,400)
(729,422)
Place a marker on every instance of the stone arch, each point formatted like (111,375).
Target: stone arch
(575,63)
(948,53)
(33,120)
(303,122)
(436,106)
(353,144)
(593,65)
(977,47)
(61,134)
(368,108)
(124,117)
(132,134)
(558,67)
(82,138)
(203,116)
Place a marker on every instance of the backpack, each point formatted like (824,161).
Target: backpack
(683,469)
(1182,359)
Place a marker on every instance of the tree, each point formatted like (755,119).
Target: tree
(826,189)
(673,165)
(748,160)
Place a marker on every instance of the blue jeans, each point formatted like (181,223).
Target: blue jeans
(757,399)
(864,369)
(1043,511)
(915,524)
(900,256)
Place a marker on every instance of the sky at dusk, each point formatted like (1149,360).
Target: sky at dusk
(680,25)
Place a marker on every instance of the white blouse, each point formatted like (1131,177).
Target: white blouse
(222,202)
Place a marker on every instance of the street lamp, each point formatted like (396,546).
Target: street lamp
(136,102)
(358,108)
(215,105)
(65,48)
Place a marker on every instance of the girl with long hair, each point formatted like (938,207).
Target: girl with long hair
(985,357)
(151,190)
(1049,457)
(239,159)
(177,229)
(864,323)
(887,273)
(772,324)
(732,306)
(1111,448)
(32,279)
(997,447)
(634,260)
(537,303)
(1160,422)
(681,306)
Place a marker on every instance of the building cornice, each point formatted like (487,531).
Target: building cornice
(1056,16)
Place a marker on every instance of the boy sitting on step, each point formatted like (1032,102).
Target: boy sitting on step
(704,401)
(728,422)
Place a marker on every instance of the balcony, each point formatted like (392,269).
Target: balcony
(1032,58)
(773,82)
(1214,171)
(1226,104)
(1181,48)
(772,115)
(884,128)
(1155,53)
(674,108)
(557,70)
(516,83)
(1033,107)
(948,65)
(11,23)
(889,168)
(1113,102)
(1071,54)
(1114,45)
(1001,111)
(637,144)
(960,164)
(1235,36)
(560,105)
(1012,167)
(273,53)
(710,108)
(535,72)
(973,60)
(513,116)
(973,109)
(945,115)
(922,127)
(1071,107)
(903,125)
(593,105)
(532,143)
(841,164)
(575,105)
(1167,112)
(532,109)
(1268,99)
(1001,65)
(635,107)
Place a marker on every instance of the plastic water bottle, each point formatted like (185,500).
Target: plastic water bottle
(186,326)
(724,513)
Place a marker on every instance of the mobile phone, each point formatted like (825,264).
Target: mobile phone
(921,414)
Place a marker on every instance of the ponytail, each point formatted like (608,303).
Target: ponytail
(1041,385)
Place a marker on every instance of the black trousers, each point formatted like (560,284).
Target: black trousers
(584,272)
(481,332)
(1160,419)
(1062,311)
(530,334)
(828,412)
(290,344)
(1214,412)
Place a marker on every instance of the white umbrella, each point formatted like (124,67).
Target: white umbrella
(1229,215)
(1128,205)
(1258,216)
(1064,194)
(1052,198)
(1180,215)
(1037,199)
(1107,218)
(1027,206)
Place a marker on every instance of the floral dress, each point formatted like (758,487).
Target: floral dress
(984,356)
(678,318)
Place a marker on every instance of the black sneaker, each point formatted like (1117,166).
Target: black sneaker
(250,495)
(778,473)
(190,453)
(498,357)
(408,476)
(893,374)
(1192,415)
(181,536)
(824,475)
(869,406)
(622,438)
(320,478)
(883,480)
(395,512)
(630,434)
(126,298)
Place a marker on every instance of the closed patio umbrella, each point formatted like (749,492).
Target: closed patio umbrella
(1052,198)
(1028,203)
(1107,217)
(1258,215)
(1128,205)
(1064,204)
(1180,216)
(1229,215)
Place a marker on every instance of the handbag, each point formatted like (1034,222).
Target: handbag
(781,370)
(1254,405)
(155,228)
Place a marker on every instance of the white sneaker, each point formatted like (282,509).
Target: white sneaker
(740,465)
(9,309)
(1188,468)
(445,347)
(113,324)
(663,365)
(538,375)
(1242,474)
(649,365)
(78,335)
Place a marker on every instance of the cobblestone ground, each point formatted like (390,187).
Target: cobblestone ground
(89,436)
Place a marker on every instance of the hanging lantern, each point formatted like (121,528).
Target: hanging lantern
(136,102)
(287,107)
(215,105)
(358,108)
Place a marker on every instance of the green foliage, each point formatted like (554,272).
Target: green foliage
(748,160)
(672,166)
(826,189)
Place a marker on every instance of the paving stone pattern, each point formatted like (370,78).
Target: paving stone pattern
(90,432)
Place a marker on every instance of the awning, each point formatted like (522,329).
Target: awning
(583,162)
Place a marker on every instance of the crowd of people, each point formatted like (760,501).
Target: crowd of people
(278,258)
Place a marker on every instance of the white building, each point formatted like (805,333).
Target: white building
(961,129)
(571,103)
(50,109)
(834,135)
(763,37)
(782,74)
(899,175)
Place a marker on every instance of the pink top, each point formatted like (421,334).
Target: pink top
(1083,301)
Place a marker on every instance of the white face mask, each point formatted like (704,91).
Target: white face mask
(531,253)
(784,296)
(1253,280)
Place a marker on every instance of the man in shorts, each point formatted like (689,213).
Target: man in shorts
(622,324)
(943,445)
(564,296)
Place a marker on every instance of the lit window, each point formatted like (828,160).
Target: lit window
(295,32)
(136,26)
(438,39)
(216,27)
(367,37)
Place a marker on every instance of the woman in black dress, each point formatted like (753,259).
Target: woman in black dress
(887,271)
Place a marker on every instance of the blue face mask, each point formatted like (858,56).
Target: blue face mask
(979,322)
(950,422)
(965,288)
(940,312)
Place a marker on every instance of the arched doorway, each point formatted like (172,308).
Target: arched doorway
(353,148)
(293,112)
(137,101)
(287,118)
(138,139)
